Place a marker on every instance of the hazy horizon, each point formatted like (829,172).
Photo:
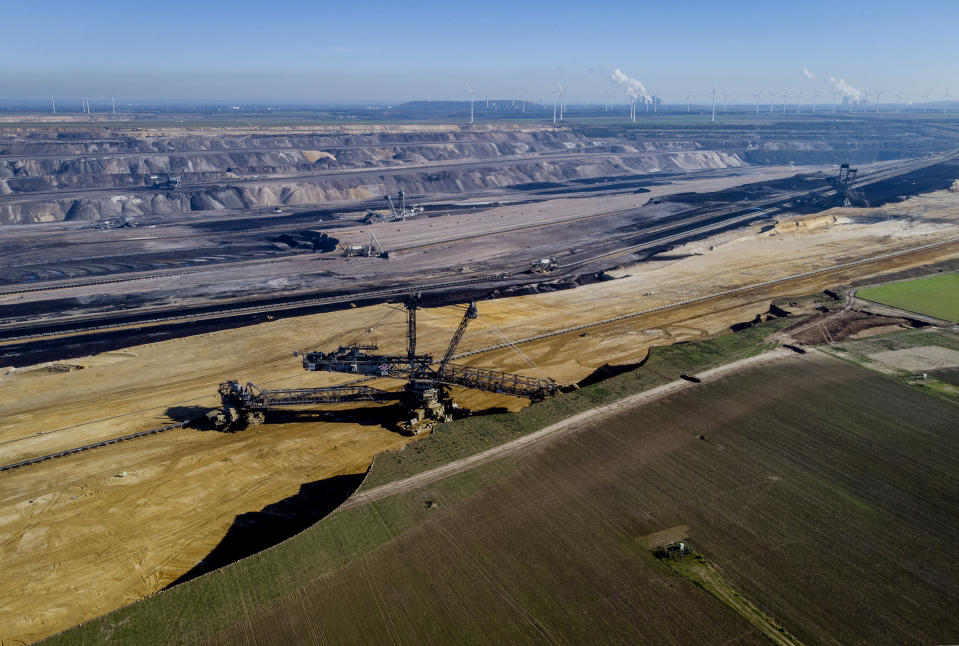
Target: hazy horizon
(382,54)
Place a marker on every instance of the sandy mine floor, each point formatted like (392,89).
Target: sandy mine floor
(77,541)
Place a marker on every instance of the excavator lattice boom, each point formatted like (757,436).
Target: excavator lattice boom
(425,395)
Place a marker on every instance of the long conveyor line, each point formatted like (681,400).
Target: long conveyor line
(88,447)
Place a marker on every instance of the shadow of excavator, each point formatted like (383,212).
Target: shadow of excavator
(256,531)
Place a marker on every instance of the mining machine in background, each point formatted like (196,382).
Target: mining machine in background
(843,193)
(844,184)
(424,397)
(372,250)
(543,265)
(394,214)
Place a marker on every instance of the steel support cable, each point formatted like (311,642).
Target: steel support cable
(392,311)
(512,346)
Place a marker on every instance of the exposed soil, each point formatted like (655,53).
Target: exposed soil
(164,517)
(839,326)
(923,358)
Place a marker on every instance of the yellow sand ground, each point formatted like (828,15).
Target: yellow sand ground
(77,541)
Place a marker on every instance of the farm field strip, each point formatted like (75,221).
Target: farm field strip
(936,296)
(572,424)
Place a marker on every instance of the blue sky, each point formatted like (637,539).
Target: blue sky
(393,51)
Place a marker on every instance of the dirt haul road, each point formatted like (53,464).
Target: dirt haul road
(77,540)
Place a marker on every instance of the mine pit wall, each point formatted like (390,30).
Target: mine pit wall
(236,163)
(243,195)
(72,164)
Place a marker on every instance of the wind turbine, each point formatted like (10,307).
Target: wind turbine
(471,93)
(562,102)
(798,99)
(879,93)
(757,95)
(898,101)
(714,105)
(555,94)
(814,95)
(772,97)
(946,98)
(785,96)
(925,100)
(689,95)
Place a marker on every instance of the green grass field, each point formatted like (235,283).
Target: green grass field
(936,296)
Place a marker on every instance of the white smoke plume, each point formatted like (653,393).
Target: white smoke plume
(807,73)
(839,85)
(634,87)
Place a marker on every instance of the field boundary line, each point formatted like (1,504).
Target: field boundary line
(928,318)
(564,427)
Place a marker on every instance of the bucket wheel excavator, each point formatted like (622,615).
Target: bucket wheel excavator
(425,395)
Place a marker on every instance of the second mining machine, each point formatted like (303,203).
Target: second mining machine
(394,215)
(425,396)
(844,184)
